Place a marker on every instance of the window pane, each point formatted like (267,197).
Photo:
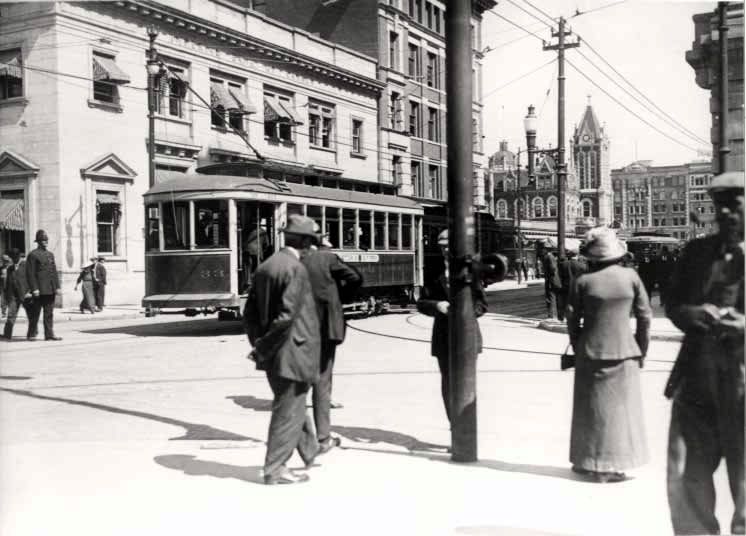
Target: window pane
(211,224)
(364,231)
(379,230)
(406,231)
(295,209)
(314,212)
(175,225)
(105,242)
(332,225)
(107,224)
(348,228)
(393,231)
(151,235)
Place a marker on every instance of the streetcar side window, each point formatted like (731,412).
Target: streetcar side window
(379,232)
(332,225)
(364,232)
(176,225)
(406,231)
(151,235)
(211,224)
(314,212)
(393,231)
(348,228)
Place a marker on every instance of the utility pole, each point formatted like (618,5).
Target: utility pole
(561,165)
(153,69)
(724,149)
(462,325)
(518,214)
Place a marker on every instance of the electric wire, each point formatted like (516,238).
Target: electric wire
(496,14)
(549,90)
(521,77)
(578,13)
(547,15)
(530,14)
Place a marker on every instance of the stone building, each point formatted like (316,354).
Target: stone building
(701,209)
(704,58)
(74,128)
(408,38)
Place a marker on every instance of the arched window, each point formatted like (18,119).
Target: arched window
(502,209)
(587,208)
(537,207)
(581,169)
(592,182)
(552,207)
(520,204)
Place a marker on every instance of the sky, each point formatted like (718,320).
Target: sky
(645,41)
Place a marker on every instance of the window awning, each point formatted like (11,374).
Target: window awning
(11,214)
(295,119)
(106,69)
(10,64)
(243,101)
(107,198)
(276,110)
(219,96)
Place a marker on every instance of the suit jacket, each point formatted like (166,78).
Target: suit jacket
(604,299)
(551,272)
(41,272)
(16,285)
(438,291)
(100,272)
(326,272)
(689,284)
(281,321)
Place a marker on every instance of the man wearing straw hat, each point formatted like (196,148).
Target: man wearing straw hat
(281,321)
(706,301)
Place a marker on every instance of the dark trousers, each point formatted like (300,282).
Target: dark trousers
(289,427)
(445,383)
(561,297)
(697,440)
(88,301)
(14,306)
(100,292)
(43,302)
(322,392)
(550,297)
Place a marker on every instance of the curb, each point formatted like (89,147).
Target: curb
(66,316)
(558,327)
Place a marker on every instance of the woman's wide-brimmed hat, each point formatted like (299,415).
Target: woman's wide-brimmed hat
(602,245)
(300,225)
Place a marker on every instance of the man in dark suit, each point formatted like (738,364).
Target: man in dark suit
(552,283)
(327,273)
(434,302)
(282,323)
(706,301)
(17,292)
(99,282)
(44,284)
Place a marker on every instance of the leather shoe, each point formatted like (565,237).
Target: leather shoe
(285,477)
(328,444)
(335,405)
(31,338)
(53,338)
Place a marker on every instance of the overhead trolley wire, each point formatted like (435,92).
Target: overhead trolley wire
(530,14)
(578,13)
(541,11)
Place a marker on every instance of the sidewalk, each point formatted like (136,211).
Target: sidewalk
(110,312)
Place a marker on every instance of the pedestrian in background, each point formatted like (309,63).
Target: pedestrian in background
(17,292)
(435,302)
(552,283)
(6,263)
(664,265)
(88,300)
(327,273)
(282,323)
(608,433)
(44,283)
(569,270)
(99,282)
(646,271)
(706,302)
(524,267)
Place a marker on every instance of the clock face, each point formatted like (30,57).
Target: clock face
(586,137)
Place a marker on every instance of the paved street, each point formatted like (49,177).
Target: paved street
(157,426)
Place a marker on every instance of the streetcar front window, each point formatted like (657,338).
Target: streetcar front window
(406,231)
(176,225)
(211,224)
(152,242)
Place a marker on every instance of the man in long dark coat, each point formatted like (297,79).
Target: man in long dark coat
(706,301)
(282,323)
(17,293)
(552,283)
(99,282)
(44,284)
(327,273)
(435,302)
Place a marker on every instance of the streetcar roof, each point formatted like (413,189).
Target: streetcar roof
(652,239)
(195,183)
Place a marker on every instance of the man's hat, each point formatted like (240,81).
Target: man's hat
(602,245)
(100,258)
(93,258)
(41,235)
(443,238)
(730,180)
(300,225)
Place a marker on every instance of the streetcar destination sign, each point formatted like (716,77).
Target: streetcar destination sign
(358,257)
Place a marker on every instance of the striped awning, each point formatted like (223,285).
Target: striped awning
(243,101)
(10,64)
(219,96)
(11,214)
(106,69)
(276,110)
(107,198)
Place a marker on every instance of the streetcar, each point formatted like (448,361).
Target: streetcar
(207,232)
(650,245)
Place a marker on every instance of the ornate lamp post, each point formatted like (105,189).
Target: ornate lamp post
(155,71)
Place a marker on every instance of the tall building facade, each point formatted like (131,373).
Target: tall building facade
(408,38)
(704,58)
(74,128)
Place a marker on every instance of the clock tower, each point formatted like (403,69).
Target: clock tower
(590,152)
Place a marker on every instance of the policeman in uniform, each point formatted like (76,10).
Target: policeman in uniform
(44,284)
(706,301)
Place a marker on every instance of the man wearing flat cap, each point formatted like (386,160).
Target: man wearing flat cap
(434,302)
(44,284)
(281,321)
(706,301)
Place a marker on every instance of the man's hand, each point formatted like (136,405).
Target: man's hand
(702,317)
(442,307)
(58,292)
(27,296)
(732,324)
(35,294)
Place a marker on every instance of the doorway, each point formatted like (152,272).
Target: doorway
(256,238)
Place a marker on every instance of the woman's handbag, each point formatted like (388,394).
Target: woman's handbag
(567,360)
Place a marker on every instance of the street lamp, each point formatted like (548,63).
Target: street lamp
(529,124)
(155,71)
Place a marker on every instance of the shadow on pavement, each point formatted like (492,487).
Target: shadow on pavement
(207,327)
(194,432)
(195,467)
(252,402)
(15,377)
(358,434)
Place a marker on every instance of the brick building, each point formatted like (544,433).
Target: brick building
(74,129)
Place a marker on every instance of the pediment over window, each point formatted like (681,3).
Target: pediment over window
(110,167)
(13,164)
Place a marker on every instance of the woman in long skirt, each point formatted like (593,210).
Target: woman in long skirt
(608,430)
(89,298)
